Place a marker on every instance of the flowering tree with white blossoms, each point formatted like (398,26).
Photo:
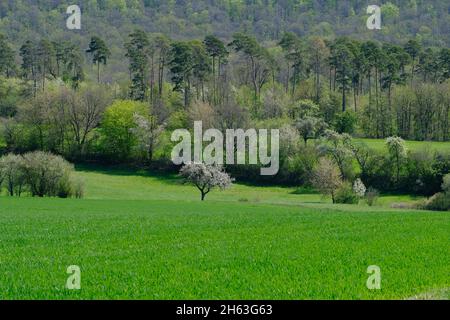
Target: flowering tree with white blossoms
(359,188)
(147,132)
(206,177)
(398,152)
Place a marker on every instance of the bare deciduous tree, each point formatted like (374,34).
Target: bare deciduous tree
(84,114)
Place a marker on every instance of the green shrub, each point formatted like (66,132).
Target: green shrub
(446,183)
(78,188)
(42,173)
(46,174)
(345,122)
(65,189)
(12,174)
(346,195)
(439,202)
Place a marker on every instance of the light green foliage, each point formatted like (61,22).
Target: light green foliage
(11,91)
(117,125)
(390,11)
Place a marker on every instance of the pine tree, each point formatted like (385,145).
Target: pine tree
(7,58)
(162,47)
(342,57)
(28,53)
(138,53)
(181,65)
(45,57)
(295,54)
(413,48)
(100,53)
(217,51)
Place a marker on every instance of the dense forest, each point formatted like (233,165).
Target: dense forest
(137,70)
(427,21)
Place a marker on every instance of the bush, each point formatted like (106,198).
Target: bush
(47,174)
(372,196)
(446,183)
(44,174)
(301,165)
(359,188)
(12,174)
(64,189)
(346,195)
(345,122)
(420,176)
(78,188)
(439,202)
(326,178)
(422,173)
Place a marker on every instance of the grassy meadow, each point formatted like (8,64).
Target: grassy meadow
(138,235)
(296,86)
(380,145)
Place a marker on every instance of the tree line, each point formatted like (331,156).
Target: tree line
(309,88)
(389,89)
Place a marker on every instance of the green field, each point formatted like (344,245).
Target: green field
(143,236)
(380,145)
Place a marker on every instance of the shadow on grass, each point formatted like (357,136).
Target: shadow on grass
(126,171)
(164,177)
(304,190)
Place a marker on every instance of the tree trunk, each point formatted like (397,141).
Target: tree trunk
(98,72)
(152,80)
(214,79)
(287,78)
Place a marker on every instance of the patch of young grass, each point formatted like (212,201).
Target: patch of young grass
(128,184)
(380,145)
(138,235)
(216,250)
